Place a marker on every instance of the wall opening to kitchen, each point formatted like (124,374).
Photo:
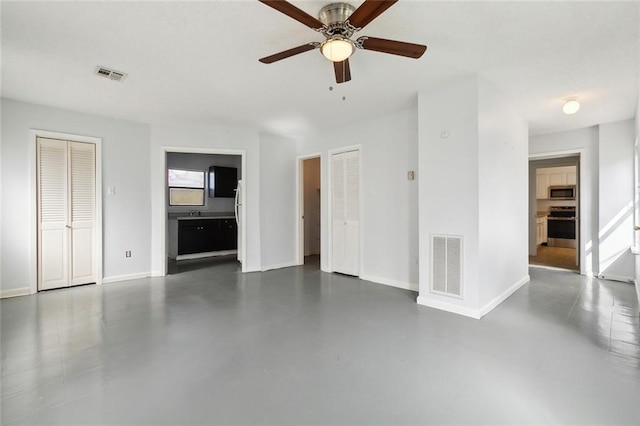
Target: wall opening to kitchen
(203,211)
(555,207)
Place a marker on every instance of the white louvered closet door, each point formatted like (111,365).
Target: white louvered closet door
(82,211)
(66,213)
(345,202)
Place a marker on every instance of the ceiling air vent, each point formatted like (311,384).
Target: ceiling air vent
(110,74)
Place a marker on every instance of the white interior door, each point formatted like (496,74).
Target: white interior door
(82,212)
(66,213)
(339,224)
(53,202)
(345,206)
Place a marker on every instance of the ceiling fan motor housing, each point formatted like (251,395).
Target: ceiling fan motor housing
(333,16)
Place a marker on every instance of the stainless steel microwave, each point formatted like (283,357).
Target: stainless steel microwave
(564,192)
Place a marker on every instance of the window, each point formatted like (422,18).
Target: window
(186,187)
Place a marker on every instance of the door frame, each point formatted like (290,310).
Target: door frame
(636,210)
(243,215)
(329,192)
(300,205)
(582,194)
(34,134)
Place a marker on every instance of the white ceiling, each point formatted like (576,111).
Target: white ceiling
(197,61)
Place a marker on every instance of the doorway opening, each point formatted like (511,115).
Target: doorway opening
(203,211)
(309,205)
(554,195)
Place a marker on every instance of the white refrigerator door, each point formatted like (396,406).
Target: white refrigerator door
(238,213)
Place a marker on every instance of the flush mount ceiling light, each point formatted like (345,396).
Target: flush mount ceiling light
(571,106)
(337,48)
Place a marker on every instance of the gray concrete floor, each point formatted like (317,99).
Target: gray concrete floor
(298,346)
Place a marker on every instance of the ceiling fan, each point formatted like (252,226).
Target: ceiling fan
(338,22)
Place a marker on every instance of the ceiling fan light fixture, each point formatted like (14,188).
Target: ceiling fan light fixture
(337,49)
(571,106)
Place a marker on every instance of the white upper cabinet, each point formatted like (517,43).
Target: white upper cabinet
(542,185)
(553,176)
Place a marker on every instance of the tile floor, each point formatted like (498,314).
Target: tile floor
(298,346)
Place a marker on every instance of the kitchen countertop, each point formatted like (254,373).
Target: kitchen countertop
(542,214)
(185,216)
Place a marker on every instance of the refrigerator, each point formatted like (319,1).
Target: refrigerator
(238,213)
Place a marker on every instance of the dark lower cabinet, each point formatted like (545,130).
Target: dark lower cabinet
(207,235)
(189,234)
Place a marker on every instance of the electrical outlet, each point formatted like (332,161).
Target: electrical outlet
(127,253)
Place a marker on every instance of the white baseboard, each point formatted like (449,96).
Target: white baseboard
(449,307)
(15,292)
(279,266)
(118,278)
(501,298)
(157,274)
(206,254)
(616,278)
(470,312)
(392,283)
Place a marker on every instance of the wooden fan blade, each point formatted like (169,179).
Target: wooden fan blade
(293,12)
(368,11)
(393,47)
(288,53)
(342,70)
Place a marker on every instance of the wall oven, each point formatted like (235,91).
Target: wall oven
(561,227)
(565,192)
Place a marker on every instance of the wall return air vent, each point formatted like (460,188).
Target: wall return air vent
(111,74)
(446,265)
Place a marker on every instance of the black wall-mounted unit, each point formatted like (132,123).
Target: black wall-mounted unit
(222,182)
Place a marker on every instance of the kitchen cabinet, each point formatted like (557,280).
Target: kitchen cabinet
(542,186)
(541,230)
(553,176)
(206,235)
(557,178)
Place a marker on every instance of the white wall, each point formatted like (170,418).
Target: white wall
(311,169)
(584,141)
(201,138)
(616,236)
(474,184)
(1,204)
(125,214)
(449,187)
(637,197)
(503,195)
(606,178)
(277,201)
(389,214)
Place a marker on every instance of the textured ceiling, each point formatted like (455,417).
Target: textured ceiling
(197,61)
